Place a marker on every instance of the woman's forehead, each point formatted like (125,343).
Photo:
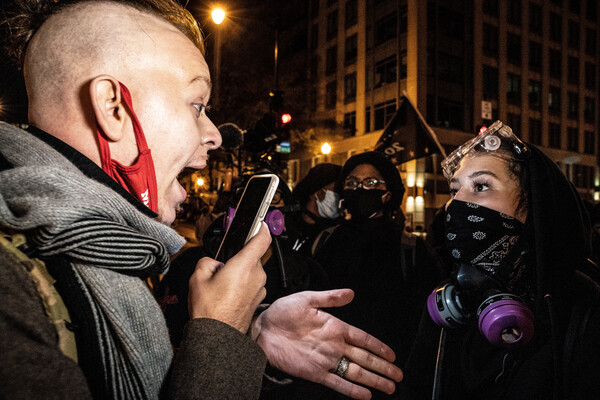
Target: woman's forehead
(482,162)
(365,171)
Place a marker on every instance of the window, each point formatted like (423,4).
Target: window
(513,88)
(589,109)
(490,7)
(573,70)
(513,12)
(331,60)
(572,105)
(572,139)
(450,68)
(385,29)
(591,10)
(331,95)
(513,49)
(573,38)
(583,176)
(590,76)
(450,113)
(554,60)
(351,50)
(314,37)
(403,19)
(535,18)
(332,24)
(514,121)
(490,82)
(490,40)
(535,55)
(535,131)
(351,13)
(574,6)
(385,71)
(314,8)
(589,143)
(383,113)
(314,69)
(350,122)
(554,99)
(554,135)
(350,87)
(555,27)
(312,100)
(590,41)
(535,93)
(368,119)
(451,23)
(403,64)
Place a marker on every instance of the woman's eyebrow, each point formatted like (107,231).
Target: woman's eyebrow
(475,175)
(483,172)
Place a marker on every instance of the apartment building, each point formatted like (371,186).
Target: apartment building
(464,63)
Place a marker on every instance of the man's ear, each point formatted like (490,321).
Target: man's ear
(109,107)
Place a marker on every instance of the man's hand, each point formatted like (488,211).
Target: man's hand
(231,292)
(306,342)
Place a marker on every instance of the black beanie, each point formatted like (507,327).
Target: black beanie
(318,177)
(386,168)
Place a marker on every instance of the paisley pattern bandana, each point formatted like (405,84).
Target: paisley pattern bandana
(491,241)
(478,235)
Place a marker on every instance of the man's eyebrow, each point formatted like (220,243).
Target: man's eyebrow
(201,78)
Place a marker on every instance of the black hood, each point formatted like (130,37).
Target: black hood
(558,227)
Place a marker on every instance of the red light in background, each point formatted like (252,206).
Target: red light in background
(285,118)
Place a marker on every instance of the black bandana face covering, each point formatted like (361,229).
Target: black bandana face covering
(488,240)
(479,235)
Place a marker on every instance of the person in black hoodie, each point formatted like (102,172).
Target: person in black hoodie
(519,317)
(390,271)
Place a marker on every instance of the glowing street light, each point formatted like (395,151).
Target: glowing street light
(325,148)
(200,182)
(218,15)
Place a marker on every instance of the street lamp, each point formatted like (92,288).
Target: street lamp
(218,16)
(325,148)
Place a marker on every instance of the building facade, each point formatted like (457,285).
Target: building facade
(464,63)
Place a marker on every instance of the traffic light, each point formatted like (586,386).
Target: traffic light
(285,119)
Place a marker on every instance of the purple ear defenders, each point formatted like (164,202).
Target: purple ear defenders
(503,319)
(275,220)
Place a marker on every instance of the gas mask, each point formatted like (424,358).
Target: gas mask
(491,282)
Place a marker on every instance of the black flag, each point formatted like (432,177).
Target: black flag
(407,136)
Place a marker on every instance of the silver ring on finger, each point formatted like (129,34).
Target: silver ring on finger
(342,367)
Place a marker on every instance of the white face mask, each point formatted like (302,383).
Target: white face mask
(329,206)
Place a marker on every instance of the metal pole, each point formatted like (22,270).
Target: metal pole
(216,88)
(275,59)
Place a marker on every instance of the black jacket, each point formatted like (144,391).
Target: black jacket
(563,359)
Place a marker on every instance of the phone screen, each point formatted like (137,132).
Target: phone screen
(249,213)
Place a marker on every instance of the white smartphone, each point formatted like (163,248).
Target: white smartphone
(249,213)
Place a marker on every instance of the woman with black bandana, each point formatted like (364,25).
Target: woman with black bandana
(390,271)
(519,317)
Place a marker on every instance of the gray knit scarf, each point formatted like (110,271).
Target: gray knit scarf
(110,245)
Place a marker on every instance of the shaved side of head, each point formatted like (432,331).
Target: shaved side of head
(83,41)
(80,42)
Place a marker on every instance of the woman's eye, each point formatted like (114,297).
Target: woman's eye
(481,187)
